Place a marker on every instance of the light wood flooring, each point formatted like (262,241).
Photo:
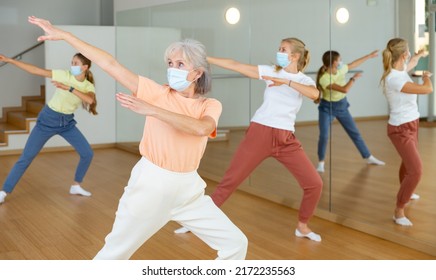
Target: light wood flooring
(40,220)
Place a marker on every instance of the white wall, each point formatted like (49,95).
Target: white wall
(18,35)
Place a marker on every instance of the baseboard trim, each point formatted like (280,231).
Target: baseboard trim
(57,149)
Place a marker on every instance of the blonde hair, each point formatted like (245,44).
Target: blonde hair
(297,46)
(394,50)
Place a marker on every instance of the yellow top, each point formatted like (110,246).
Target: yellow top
(64,101)
(329,79)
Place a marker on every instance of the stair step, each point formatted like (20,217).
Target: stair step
(20,118)
(7,128)
(35,106)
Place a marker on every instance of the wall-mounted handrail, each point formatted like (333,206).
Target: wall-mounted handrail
(18,56)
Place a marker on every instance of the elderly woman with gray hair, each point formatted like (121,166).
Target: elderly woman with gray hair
(164,185)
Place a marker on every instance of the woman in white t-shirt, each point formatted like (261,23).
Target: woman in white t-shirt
(271,131)
(401,93)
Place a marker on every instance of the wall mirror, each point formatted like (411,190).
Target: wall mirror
(355,194)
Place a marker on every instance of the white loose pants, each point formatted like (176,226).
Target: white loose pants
(153,197)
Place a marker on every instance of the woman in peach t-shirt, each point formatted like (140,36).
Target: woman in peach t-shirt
(164,185)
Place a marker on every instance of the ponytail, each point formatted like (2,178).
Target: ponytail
(91,108)
(394,49)
(321,72)
(327,59)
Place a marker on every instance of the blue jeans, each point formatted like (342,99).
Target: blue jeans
(49,124)
(328,111)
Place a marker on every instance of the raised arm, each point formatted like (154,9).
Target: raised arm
(32,69)
(100,57)
(248,70)
(361,60)
(415,59)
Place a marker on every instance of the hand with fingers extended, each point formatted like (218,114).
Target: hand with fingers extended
(357,75)
(373,54)
(60,85)
(276,81)
(51,32)
(135,104)
(4,58)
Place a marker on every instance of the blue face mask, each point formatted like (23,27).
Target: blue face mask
(282,60)
(177,79)
(75,70)
(340,65)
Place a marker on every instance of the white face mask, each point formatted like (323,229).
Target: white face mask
(282,59)
(177,79)
(75,70)
(406,62)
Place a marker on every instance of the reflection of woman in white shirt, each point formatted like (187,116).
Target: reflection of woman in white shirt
(401,93)
(271,130)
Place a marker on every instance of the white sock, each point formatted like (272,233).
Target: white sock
(3,194)
(320,167)
(77,189)
(373,160)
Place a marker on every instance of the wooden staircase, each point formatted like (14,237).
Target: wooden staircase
(16,120)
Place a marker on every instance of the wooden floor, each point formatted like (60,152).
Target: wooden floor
(40,220)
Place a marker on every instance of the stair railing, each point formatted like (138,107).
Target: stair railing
(19,56)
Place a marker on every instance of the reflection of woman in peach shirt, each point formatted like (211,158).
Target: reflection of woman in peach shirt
(164,185)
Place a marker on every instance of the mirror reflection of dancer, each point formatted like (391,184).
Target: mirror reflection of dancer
(334,104)
(401,93)
(164,185)
(271,131)
(74,87)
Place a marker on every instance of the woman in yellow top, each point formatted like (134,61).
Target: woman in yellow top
(334,88)
(74,87)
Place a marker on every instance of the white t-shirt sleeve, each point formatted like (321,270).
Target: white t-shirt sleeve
(266,70)
(397,82)
(308,81)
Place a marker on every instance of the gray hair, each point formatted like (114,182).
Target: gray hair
(194,53)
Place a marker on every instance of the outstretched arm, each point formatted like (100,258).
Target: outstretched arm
(198,127)
(30,68)
(415,59)
(100,57)
(248,70)
(309,91)
(361,60)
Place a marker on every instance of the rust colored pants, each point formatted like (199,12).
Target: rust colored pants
(261,142)
(405,139)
